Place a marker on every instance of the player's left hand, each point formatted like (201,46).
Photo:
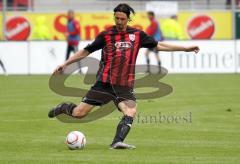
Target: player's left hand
(59,69)
(195,49)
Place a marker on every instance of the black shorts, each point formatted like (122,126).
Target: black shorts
(102,93)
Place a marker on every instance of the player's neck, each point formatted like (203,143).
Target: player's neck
(122,30)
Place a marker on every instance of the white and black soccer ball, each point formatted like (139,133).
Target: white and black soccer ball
(76,140)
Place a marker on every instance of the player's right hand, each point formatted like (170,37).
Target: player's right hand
(195,49)
(59,69)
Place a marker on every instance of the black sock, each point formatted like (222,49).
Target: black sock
(68,108)
(119,127)
(123,128)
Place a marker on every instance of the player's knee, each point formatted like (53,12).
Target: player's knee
(128,108)
(131,112)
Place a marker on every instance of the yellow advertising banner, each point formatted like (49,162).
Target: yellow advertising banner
(52,26)
(206,25)
(91,24)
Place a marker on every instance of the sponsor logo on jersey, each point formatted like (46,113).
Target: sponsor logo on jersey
(122,45)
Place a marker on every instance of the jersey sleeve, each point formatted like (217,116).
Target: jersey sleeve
(97,44)
(147,41)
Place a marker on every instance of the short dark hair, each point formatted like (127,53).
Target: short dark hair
(125,8)
(151,13)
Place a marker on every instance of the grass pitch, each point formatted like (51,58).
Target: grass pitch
(207,130)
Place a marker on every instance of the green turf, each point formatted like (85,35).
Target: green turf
(211,136)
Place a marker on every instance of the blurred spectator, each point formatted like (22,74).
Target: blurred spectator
(17,5)
(40,30)
(20,5)
(171,29)
(229,3)
(1,5)
(153,30)
(72,35)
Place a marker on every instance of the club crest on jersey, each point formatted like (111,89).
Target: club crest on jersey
(132,37)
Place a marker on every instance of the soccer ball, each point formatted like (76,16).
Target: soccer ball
(75,140)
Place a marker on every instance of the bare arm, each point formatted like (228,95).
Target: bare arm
(163,46)
(76,57)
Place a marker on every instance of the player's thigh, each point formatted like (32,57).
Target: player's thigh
(128,107)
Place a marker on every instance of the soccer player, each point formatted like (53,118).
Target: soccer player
(153,30)
(73,35)
(115,79)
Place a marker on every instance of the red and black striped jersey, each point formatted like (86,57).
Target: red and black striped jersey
(119,54)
